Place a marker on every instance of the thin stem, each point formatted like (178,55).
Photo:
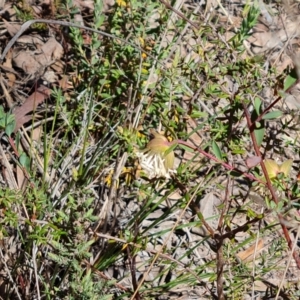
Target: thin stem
(270,187)
(212,157)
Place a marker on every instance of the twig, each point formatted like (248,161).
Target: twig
(288,264)
(220,265)
(259,118)
(165,256)
(13,281)
(34,252)
(224,164)
(179,13)
(102,275)
(231,234)
(220,257)
(27,24)
(270,187)
(132,263)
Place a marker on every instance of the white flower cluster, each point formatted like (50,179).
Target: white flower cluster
(153,164)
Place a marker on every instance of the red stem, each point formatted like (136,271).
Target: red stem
(210,156)
(270,187)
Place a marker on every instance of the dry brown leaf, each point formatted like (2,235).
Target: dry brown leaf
(10,70)
(6,94)
(58,67)
(21,179)
(65,83)
(27,62)
(8,64)
(11,28)
(30,105)
(89,4)
(29,39)
(36,133)
(265,38)
(35,63)
(248,254)
(52,49)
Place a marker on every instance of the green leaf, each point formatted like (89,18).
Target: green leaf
(257,105)
(24,161)
(2,113)
(290,80)
(10,127)
(272,115)
(170,149)
(198,114)
(216,150)
(2,122)
(259,135)
(99,21)
(186,148)
(235,174)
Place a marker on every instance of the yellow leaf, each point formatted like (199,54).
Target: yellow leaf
(286,167)
(274,169)
(169,161)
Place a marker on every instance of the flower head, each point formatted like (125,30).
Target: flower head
(157,160)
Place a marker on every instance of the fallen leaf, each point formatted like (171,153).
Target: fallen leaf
(27,62)
(89,4)
(21,179)
(30,105)
(33,63)
(65,83)
(8,64)
(248,254)
(11,28)
(52,49)
(29,39)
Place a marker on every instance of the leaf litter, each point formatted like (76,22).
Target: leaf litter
(34,56)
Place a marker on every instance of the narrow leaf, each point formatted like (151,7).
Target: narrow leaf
(186,148)
(216,150)
(272,115)
(257,105)
(259,135)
